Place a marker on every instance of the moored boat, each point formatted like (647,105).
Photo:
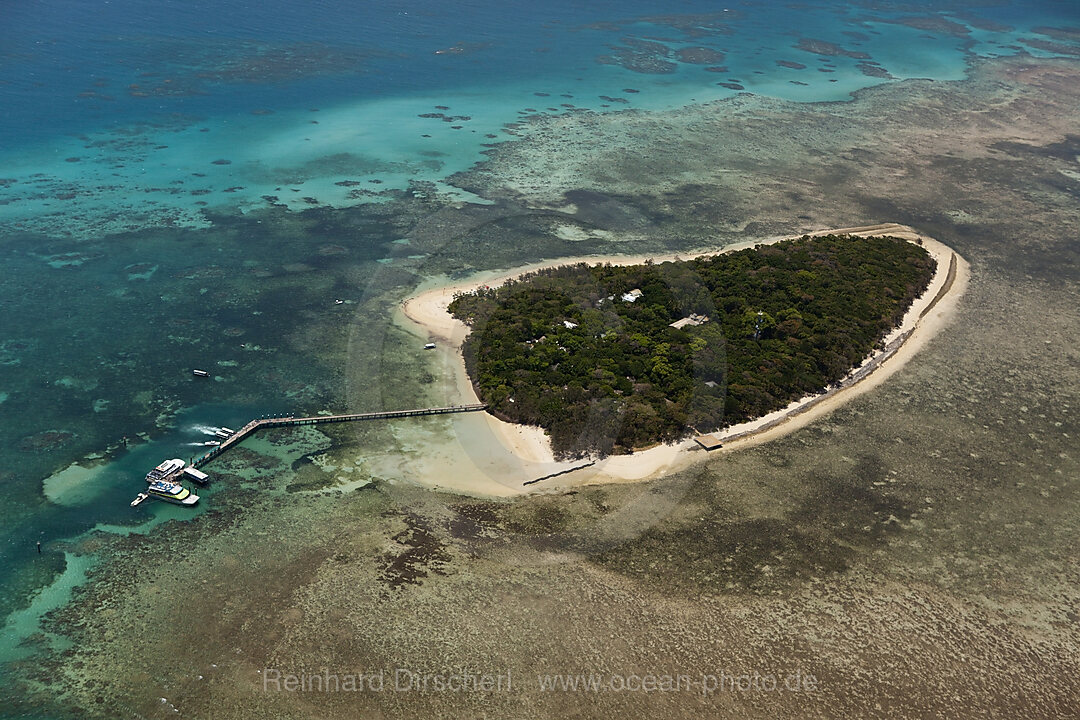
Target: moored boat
(165,470)
(171,492)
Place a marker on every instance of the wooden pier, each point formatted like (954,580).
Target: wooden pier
(261,423)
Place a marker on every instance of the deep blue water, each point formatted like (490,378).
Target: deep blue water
(107,104)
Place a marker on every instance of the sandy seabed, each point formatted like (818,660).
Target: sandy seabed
(506,458)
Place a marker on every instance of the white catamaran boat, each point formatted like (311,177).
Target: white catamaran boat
(165,470)
(171,492)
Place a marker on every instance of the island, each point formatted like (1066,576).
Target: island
(609,359)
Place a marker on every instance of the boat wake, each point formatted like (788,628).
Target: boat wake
(204,429)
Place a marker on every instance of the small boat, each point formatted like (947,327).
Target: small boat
(211,443)
(200,373)
(171,492)
(139,499)
(223,433)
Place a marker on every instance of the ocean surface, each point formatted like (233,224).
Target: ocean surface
(171,174)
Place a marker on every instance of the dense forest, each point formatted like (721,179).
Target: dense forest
(607,359)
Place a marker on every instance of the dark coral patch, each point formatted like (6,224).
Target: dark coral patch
(828,49)
(46,441)
(699,56)
(873,70)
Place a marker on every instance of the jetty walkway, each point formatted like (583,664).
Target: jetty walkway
(256,425)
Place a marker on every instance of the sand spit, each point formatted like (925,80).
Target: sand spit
(529,446)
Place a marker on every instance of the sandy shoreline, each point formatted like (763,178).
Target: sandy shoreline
(427,315)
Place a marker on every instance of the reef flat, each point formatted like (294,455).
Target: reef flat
(912,552)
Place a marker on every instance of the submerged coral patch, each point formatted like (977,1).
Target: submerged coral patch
(141,271)
(46,441)
(699,56)
(828,49)
(1057,48)
(641,56)
(70,259)
(10,350)
(871,69)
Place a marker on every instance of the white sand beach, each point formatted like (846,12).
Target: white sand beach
(526,450)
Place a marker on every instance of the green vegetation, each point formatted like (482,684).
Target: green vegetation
(568,350)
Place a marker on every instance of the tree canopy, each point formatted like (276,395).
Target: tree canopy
(590,353)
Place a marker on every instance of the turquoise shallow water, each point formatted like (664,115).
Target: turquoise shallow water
(164,123)
(138,139)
